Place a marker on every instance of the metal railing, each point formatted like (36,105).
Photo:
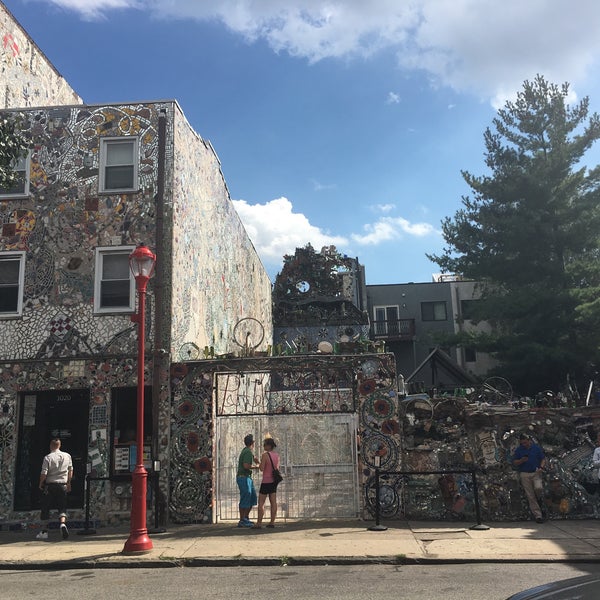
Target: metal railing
(473,472)
(153,475)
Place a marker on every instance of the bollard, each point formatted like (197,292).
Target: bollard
(377,526)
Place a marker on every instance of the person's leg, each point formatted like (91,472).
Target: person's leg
(261,509)
(44,515)
(273,503)
(527,481)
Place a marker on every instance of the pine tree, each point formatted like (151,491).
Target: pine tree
(530,234)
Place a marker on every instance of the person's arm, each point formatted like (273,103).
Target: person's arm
(69,477)
(519,461)
(596,457)
(42,480)
(263,462)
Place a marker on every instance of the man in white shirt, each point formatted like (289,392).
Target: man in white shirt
(55,483)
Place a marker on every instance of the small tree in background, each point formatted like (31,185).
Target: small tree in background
(530,234)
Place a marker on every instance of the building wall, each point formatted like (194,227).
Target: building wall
(218,278)
(204,257)
(28,77)
(408,297)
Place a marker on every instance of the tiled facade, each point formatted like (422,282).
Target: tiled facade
(208,273)
(28,78)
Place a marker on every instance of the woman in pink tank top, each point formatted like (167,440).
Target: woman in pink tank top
(268,487)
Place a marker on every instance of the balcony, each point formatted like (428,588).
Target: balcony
(393,330)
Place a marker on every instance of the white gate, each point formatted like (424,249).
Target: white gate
(319,463)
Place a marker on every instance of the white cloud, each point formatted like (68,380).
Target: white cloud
(390,228)
(97,9)
(384,208)
(393,98)
(482,46)
(275,229)
(320,187)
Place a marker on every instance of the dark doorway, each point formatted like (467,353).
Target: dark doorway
(43,416)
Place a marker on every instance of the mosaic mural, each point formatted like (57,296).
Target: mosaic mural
(208,268)
(447,437)
(28,77)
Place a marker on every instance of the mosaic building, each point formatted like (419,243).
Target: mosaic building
(28,77)
(98,181)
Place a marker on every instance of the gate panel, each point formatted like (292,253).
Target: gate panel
(318,460)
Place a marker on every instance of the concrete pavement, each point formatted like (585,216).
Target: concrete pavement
(310,542)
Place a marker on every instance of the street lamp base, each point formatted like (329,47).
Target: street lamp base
(138,542)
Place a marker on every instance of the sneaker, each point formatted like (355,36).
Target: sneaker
(248,522)
(42,535)
(64,531)
(244,523)
(539,520)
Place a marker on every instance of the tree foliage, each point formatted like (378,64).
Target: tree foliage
(530,233)
(12,147)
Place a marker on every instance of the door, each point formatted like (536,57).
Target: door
(318,461)
(43,416)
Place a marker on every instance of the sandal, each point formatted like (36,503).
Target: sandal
(257,526)
(270,526)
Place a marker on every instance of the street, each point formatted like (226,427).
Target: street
(488,581)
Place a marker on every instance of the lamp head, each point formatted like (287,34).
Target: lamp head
(142,262)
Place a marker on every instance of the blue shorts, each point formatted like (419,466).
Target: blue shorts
(247,492)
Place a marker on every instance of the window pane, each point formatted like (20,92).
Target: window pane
(439,311)
(119,153)
(118,178)
(9,272)
(114,293)
(17,187)
(115,266)
(9,299)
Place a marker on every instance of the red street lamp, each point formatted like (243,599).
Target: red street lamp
(141,263)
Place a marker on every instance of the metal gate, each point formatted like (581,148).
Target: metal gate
(318,460)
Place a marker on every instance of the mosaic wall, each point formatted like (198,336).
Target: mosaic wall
(99,376)
(403,435)
(64,219)
(218,277)
(372,378)
(28,78)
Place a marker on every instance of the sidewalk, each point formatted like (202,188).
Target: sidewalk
(310,542)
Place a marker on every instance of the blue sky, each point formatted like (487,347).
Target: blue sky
(341,123)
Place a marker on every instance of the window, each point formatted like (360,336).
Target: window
(433,311)
(12,276)
(386,320)
(114,288)
(470,355)
(119,164)
(468,308)
(20,186)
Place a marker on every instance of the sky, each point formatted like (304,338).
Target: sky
(343,122)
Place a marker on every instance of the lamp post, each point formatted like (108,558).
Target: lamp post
(141,263)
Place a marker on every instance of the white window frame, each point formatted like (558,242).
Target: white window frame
(105,143)
(22,165)
(101,252)
(383,327)
(20,257)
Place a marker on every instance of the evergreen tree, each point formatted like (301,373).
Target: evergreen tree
(530,234)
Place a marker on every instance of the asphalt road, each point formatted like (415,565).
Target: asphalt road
(359,582)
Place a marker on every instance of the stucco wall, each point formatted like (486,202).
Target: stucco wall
(28,78)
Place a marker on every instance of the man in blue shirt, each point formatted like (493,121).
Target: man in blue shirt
(529,458)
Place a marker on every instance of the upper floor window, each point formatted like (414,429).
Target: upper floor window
(119,164)
(12,277)
(468,309)
(433,311)
(114,285)
(19,187)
